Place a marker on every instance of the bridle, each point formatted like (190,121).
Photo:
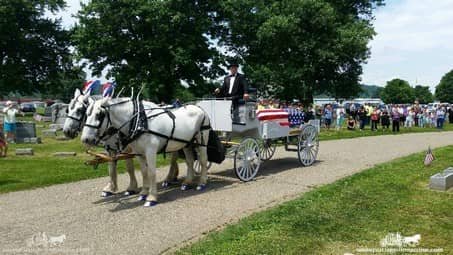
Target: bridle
(83,117)
(109,131)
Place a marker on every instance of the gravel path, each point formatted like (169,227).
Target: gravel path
(120,225)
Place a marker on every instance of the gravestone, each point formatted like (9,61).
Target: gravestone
(442,181)
(49,133)
(25,130)
(34,140)
(59,113)
(65,154)
(24,151)
(56,126)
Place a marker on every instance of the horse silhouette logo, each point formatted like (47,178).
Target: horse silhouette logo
(44,241)
(398,240)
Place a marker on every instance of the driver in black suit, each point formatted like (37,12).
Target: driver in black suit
(234,86)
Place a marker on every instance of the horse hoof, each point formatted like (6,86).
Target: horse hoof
(142,198)
(185,187)
(201,187)
(106,194)
(130,192)
(150,203)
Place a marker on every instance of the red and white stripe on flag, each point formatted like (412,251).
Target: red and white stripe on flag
(429,157)
(276,115)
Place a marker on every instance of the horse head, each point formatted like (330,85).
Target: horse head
(95,123)
(76,113)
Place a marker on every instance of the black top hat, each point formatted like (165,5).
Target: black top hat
(231,64)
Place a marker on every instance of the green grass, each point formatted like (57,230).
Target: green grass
(43,169)
(355,212)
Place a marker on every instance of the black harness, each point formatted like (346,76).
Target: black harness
(138,125)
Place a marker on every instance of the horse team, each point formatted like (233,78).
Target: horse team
(114,123)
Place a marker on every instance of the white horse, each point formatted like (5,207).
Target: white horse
(73,124)
(167,132)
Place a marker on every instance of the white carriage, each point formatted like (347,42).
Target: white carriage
(250,141)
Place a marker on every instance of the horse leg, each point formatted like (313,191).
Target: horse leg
(172,176)
(151,200)
(112,186)
(144,169)
(133,187)
(190,172)
(203,159)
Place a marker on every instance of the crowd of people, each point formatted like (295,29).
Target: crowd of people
(407,116)
(359,117)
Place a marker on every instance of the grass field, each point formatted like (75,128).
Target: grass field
(355,212)
(43,169)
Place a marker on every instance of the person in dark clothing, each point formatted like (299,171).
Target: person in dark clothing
(235,87)
(362,117)
(385,120)
(351,123)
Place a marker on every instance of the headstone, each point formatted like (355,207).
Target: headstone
(25,130)
(59,113)
(62,138)
(49,133)
(35,140)
(442,181)
(24,151)
(56,126)
(65,154)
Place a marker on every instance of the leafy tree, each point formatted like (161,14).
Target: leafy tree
(34,49)
(444,91)
(152,42)
(423,94)
(296,48)
(398,91)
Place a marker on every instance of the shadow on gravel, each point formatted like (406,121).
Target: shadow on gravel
(165,195)
(217,180)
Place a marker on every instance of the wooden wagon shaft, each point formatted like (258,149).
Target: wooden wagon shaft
(102,158)
(229,143)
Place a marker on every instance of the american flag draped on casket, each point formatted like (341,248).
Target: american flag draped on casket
(275,115)
(295,117)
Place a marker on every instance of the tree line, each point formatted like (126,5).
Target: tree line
(290,49)
(398,91)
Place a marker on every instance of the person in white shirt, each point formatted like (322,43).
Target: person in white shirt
(9,121)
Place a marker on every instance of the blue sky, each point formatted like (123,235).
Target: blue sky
(414,41)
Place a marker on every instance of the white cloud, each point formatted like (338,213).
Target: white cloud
(413,42)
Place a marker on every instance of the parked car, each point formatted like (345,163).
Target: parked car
(27,107)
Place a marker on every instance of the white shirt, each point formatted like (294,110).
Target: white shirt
(230,89)
(10,115)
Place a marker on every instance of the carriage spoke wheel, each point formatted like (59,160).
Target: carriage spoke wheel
(247,159)
(267,149)
(308,145)
(197,166)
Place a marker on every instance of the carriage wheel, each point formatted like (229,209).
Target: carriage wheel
(197,166)
(247,159)
(267,149)
(308,145)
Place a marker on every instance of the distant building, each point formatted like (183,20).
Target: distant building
(326,100)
